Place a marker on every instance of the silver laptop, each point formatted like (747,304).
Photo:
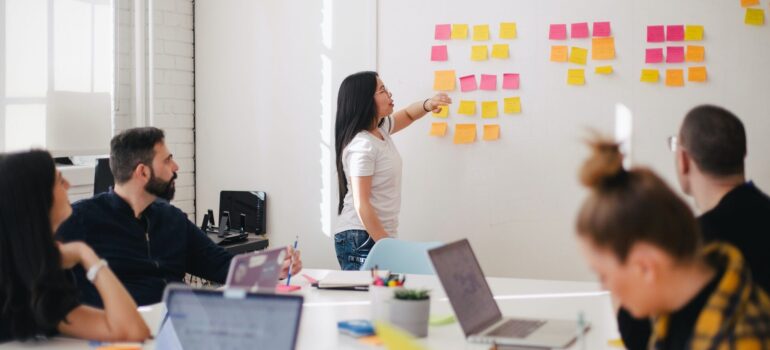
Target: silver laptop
(208,319)
(477,311)
(257,271)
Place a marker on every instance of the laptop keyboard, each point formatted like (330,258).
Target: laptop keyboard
(516,328)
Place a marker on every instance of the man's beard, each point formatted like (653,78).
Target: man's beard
(160,188)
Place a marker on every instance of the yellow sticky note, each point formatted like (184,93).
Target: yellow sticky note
(616,343)
(500,50)
(755,17)
(559,53)
(479,52)
(674,77)
(467,107)
(696,74)
(650,76)
(603,48)
(747,3)
(576,77)
(465,133)
(512,105)
(605,70)
(444,80)
(481,32)
(693,33)
(395,338)
(578,55)
(695,53)
(442,113)
(491,132)
(438,129)
(489,109)
(459,31)
(508,30)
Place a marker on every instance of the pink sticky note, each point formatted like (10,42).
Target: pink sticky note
(655,34)
(468,83)
(511,81)
(674,54)
(654,56)
(488,82)
(579,30)
(438,53)
(558,32)
(602,29)
(675,33)
(443,31)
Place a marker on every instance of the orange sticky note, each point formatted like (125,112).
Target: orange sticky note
(500,50)
(576,77)
(467,107)
(465,134)
(459,31)
(603,48)
(578,55)
(650,76)
(508,30)
(693,33)
(674,77)
(444,80)
(438,129)
(491,132)
(512,105)
(747,3)
(479,53)
(489,109)
(442,113)
(559,53)
(696,74)
(481,32)
(695,53)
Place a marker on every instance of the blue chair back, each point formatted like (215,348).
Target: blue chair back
(400,256)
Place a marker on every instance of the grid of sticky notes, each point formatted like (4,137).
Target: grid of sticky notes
(674,48)
(602,48)
(755,15)
(448,80)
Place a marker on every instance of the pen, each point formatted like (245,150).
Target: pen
(291,258)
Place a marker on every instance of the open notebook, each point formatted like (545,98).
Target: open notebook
(347,280)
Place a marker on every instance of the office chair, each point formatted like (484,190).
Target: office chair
(400,256)
(103,179)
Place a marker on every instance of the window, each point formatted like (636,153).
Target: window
(48,47)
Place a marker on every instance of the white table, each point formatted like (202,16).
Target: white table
(516,297)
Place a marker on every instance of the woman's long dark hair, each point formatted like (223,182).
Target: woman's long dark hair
(356,111)
(35,293)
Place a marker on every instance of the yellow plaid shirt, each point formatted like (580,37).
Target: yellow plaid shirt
(735,317)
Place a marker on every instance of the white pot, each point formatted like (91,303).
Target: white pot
(410,315)
(380,297)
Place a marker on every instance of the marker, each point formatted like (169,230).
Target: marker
(291,258)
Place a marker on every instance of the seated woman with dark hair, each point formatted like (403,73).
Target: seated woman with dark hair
(37,299)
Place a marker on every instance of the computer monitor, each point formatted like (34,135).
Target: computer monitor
(250,203)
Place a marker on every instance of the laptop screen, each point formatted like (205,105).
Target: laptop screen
(464,283)
(208,319)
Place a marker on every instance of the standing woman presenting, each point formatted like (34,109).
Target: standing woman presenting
(368,163)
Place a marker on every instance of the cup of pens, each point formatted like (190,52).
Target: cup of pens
(381,292)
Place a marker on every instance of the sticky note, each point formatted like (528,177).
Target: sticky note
(558,53)
(443,32)
(512,105)
(602,29)
(650,76)
(464,134)
(510,81)
(603,48)
(438,129)
(604,70)
(653,56)
(696,74)
(693,33)
(655,34)
(444,80)
(674,54)
(488,82)
(508,30)
(747,3)
(442,113)
(558,32)
(576,77)
(489,109)
(695,53)
(395,338)
(481,32)
(675,33)
(755,17)
(491,132)
(674,77)
(579,30)
(467,107)
(578,55)
(468,83)
(459,31)
(479,53)
(500,50)
(438,53)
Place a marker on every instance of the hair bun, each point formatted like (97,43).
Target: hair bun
(604,166)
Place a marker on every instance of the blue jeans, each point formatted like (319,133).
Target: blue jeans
(352,248)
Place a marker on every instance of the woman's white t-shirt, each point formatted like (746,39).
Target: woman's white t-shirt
(367,155)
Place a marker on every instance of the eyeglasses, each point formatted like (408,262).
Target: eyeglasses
(673,143)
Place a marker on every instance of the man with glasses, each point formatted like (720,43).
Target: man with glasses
(710,150)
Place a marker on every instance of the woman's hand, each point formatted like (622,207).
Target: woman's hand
(434,103)
(76,253)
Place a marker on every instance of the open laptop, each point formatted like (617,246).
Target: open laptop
(208,319)
(256,271)
(476,310)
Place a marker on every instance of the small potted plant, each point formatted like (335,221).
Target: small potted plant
(410,310)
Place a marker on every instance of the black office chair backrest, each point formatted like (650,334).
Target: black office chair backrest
(103,179)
